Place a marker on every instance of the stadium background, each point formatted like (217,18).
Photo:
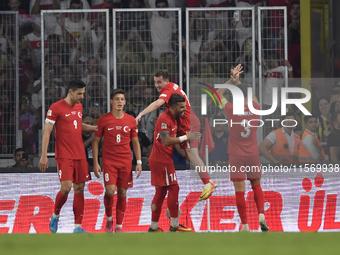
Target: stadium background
(116,49)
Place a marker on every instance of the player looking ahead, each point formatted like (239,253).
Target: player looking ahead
(118,130)
(65,117)
(243,151)
(166,89)
(163,173)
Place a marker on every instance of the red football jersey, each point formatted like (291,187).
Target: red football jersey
(117,135)
(185,122)
(161,153)
(67,121)
(242,137)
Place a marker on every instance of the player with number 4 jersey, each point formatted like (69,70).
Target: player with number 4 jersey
(243,151)
(65,118)
(118,129)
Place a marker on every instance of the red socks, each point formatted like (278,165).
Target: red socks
(120,210)
(108,202)
(258,196)
(158,201)
(59,202)
(241,206)
(78,208)
(173,200)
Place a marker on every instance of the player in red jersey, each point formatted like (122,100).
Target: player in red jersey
(185,124)
(163,174)
(118,130)
(65,118)
(243,151)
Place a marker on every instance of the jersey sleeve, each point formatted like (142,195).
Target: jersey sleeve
(134,129)
(52,114)
(100,127)
(228,108)
(166,94)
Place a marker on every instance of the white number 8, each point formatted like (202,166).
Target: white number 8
(118,138)
(246,128)
(75,124)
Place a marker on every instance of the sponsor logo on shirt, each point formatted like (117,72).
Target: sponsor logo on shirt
(118,127)
(74,113)
(66,115)
(109,129)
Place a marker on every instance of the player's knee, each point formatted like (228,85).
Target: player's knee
(121,192)
(153,207)
(110,193)
(78,188)
(65,189)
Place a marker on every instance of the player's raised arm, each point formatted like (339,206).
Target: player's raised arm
(43,164)
(153,106)
(138,154)
(95,151)
(234,79)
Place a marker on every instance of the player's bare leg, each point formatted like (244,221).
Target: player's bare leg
(59,202)
(156,208)
(209,186)
(78,206)
(108,202)
(258,196)
(120,209)
(241,203)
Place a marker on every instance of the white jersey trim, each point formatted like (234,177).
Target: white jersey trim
(49,121)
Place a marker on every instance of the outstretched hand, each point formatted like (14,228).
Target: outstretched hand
(235,72)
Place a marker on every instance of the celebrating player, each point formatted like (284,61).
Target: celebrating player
(243,152)
(167,89)
(65,117)
(118,130)
(163,174)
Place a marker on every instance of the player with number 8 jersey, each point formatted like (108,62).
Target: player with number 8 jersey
(118,129)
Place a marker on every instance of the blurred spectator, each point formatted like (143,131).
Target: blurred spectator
(65,4)
(95,112)
(324,128)
(35,40)
(73,28)
(148,121)
(134,97)
(244,31)
(283,143)
(27,66)
(29,123)
(311,149)
(248,3)
(145,144)
(162,26)
(220,135)
(169,61)
(14,5)
(294,24)
(87,140)
(333,141)
(21,158)
(50,19)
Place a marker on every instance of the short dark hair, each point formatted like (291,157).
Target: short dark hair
(86,115)
(76,2)
(163,73)
(335,86)
(334,117)
(289,114)
(115,92)
(162,1)
(17,150)
(175,99)
(306,118)
(293,3)
(76,84)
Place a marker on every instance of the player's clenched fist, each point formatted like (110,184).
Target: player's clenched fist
(194,136)
(43,164)
(97,170)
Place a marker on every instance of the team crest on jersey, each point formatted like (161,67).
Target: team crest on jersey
(126,129)
(49,113)
(164,126)
(118,127)
(74,113)
(80,115)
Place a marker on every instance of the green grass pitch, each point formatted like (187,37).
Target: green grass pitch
(171,243)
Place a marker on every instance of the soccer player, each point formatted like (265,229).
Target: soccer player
(65,117)
(118,130)
(163,173)
(243,151)
(166,89)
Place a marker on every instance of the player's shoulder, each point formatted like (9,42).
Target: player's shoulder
(58,106)
(129,118)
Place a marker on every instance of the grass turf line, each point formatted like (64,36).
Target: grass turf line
(171,243)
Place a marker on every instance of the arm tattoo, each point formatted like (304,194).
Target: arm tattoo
(164,134)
